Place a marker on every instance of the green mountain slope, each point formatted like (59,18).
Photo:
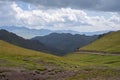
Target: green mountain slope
(35,65)
(12,55)
(107,43)
(15,56)
(16,62)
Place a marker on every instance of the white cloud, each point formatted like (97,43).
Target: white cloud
(6,15)
(62,18)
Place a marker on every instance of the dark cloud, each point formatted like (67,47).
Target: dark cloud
(102,5)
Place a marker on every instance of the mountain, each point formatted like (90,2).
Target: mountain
(26,32)
(109,43)
(95,33)
(65,42)
(26,43)
(30,33)
(18,63)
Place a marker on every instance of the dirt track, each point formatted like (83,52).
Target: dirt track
(98,52)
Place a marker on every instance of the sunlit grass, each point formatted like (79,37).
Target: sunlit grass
(89,65)
(108,43)
(92,60)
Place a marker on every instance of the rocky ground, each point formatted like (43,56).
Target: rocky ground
(21,74)
(46,74)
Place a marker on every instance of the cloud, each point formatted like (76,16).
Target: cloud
(6,16)
(101,5)
(50,17)
(59,18)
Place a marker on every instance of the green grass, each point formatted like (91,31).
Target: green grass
(95,67)
(15,56)
(97,74)
(108,43)
(11,55)
(94,60)
(89,65)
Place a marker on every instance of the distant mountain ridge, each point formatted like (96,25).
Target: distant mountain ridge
(25,32)
(65,42)
(26,43)
(30,33)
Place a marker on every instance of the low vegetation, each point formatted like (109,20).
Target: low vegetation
(95,66)
(49,67)
(107,43)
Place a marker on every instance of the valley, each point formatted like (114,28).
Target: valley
(59,39)
(18,63)
(66,42)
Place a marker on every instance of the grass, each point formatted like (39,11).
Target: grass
(108,43)
(95,67)
(11,55)
(14,56)
(97,74)
(89,65)
(94,60)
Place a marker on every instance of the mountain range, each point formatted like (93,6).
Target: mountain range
(26,43)
(54,43)
(18,63)
(66,42)
(30,33)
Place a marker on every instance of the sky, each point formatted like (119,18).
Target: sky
(77,15)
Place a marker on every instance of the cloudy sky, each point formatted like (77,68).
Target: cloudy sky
(78,15)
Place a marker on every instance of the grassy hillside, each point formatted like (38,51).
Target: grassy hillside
(108,43)
(94,60)
(11,55)
(95,67)
(14,56)
(49,67)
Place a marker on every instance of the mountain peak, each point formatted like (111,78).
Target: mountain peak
(65,41)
